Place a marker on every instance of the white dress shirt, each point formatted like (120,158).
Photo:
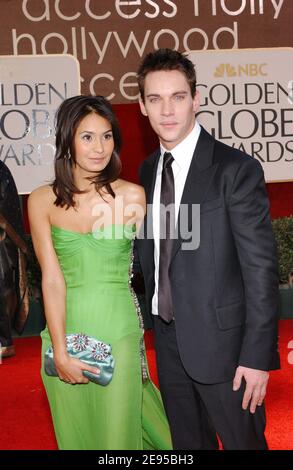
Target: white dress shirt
(182,154)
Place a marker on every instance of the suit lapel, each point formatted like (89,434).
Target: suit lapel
(150,177)
(148,181)
(197,183)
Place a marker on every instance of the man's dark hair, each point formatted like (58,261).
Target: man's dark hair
(69,115)
(166,59)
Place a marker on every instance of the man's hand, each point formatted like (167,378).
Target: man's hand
(256,385)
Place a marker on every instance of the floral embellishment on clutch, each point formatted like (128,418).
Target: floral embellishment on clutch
(100,351)
(80,342)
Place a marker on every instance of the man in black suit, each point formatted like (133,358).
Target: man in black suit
(214,303)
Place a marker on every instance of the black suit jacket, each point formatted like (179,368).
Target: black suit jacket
(225,292)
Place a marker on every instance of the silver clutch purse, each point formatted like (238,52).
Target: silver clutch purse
(87,349)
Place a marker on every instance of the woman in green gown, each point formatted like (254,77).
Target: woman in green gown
(83,226)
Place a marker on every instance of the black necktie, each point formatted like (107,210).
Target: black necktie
(167,220)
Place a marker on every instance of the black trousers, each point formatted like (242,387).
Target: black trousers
(198,412)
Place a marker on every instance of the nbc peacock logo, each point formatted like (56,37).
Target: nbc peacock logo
(240,70)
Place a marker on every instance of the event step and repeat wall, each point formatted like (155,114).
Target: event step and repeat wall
(53,49)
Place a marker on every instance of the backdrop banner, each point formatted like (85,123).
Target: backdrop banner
(109,37)
(31,89)
(246,94)
(247,102)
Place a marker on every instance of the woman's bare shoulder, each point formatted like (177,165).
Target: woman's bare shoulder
(41,197)
(132,191)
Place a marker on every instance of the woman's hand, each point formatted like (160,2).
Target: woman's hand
(70,370)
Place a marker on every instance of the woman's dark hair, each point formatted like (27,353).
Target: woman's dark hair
(68,117)
(166,59)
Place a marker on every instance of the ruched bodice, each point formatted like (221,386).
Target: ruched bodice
(94,259)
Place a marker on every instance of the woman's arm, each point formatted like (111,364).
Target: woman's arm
(53,286)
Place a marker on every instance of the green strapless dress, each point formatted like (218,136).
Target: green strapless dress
(128,413)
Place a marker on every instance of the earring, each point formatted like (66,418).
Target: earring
(67,155)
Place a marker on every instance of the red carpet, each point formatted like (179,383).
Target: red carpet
(25,416)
